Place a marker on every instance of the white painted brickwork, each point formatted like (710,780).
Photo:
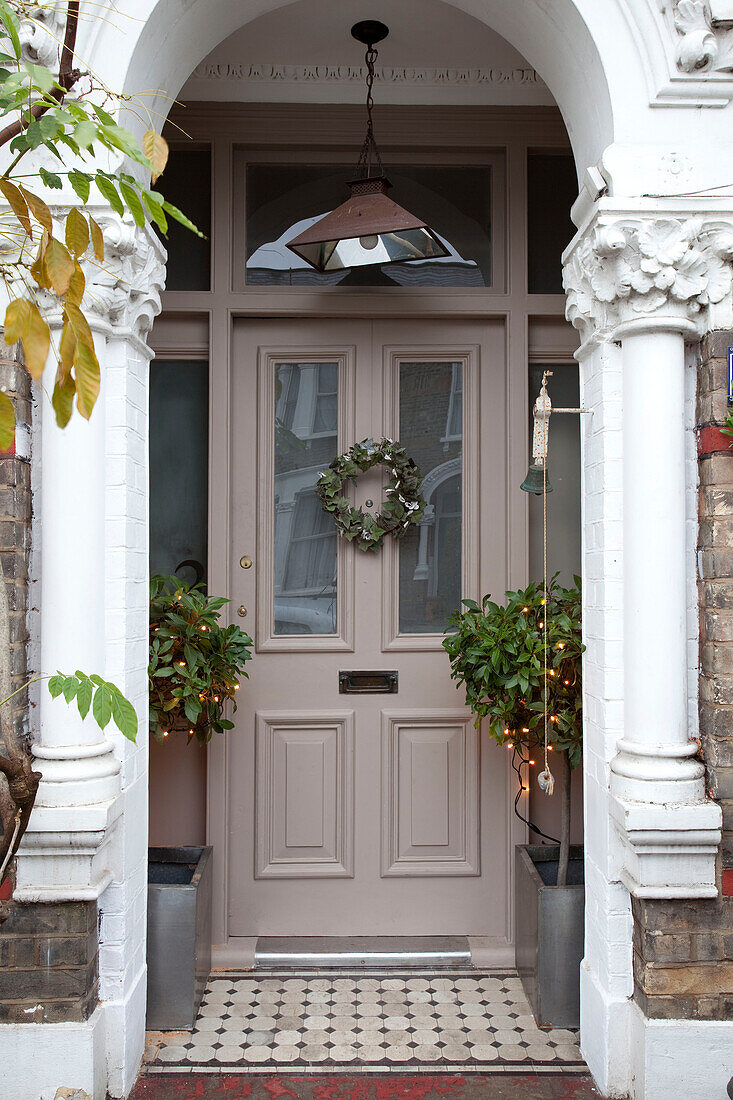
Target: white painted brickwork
(608,923)
(123,905)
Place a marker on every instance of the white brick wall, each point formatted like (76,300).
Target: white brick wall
(123,905)
(608,923)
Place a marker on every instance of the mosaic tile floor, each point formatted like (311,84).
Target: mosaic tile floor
(473,1023)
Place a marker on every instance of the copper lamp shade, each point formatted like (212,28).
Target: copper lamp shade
(369,228)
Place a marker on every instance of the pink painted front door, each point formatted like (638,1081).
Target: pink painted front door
(364,813)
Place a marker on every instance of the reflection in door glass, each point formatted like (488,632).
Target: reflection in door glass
(306,440)
(284,199)
(431,429)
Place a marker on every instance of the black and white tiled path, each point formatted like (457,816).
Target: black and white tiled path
(468,1022)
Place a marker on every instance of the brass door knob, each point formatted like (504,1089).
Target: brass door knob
(242,610)
(246,562)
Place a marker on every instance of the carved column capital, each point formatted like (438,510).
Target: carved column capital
(124,290)
(659,268)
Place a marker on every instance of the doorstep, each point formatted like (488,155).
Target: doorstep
(365,1022)
(350,1086)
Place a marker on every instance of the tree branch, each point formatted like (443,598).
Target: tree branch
(18,793)
(68,76)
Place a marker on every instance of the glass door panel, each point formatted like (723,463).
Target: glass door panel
(430,556)
(305,591)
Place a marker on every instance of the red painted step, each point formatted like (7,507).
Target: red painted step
(362,1086)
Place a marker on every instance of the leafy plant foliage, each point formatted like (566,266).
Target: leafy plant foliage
(105,700)
(195,664)
(728,429)
(47,254)
(497,653)
(403,507)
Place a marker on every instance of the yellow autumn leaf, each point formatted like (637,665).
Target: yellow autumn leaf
(155,149)
(23,322)
(18,205)
(38,208)
(76,232)
(67,347)
(38,267)
(62,400)
(79,323)
(77,284)
(86,369)
(16,318)
(97,239)
(59,265)
(7,422)
(36,342)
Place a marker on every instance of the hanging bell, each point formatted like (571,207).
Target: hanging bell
(534,482)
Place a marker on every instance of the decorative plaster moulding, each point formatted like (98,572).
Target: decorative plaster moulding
(663,269)
(70,853)
(703,45)
(689,50)
(668,851)
(356,74)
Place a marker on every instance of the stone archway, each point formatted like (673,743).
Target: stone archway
(625,93)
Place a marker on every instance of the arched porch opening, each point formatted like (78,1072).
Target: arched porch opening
(596,65)
(538,340)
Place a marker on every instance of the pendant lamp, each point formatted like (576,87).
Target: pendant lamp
(369,228)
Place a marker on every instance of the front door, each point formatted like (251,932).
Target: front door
(357,813)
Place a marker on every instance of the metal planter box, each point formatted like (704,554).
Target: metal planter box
(179,935)
(549,933)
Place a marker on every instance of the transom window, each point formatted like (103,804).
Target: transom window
(284,199)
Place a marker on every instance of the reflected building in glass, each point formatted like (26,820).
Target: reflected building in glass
(306,441)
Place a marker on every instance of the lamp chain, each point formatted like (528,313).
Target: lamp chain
(369,156)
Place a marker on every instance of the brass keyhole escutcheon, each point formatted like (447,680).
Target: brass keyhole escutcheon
(242,610)
(246,562)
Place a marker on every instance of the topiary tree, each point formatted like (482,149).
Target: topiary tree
(498,654)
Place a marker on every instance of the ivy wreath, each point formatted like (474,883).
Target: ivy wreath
(404,504)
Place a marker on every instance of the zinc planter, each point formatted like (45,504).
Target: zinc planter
(179,935)
(549,933)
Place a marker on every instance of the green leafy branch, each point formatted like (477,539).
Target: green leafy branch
(20,781)
(42,251)
(104,698)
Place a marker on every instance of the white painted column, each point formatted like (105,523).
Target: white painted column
(66,853)
(669,831)
(656,759)
(91,521)
(75,756)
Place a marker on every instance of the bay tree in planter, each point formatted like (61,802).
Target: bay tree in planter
(497,652)
(195,669)
(196,664)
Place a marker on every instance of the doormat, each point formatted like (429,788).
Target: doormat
(496,1086)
